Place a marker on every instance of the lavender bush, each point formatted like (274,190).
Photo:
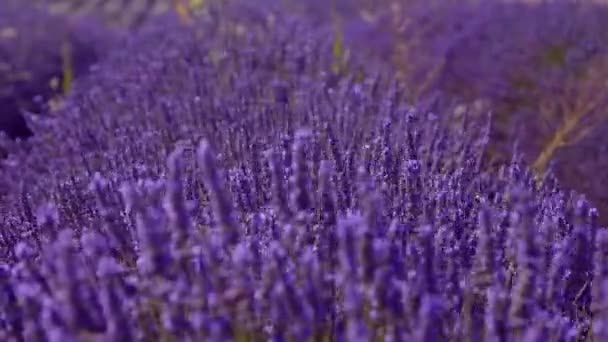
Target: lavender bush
(222,181)
(539,66)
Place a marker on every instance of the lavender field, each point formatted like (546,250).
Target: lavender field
(179,170)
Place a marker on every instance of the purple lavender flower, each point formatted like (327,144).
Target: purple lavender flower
(221,181)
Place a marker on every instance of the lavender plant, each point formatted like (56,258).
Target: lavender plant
(539,66)
(221,181)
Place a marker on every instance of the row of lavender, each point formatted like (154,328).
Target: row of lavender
(221,182)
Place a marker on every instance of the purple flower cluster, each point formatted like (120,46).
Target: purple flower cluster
(222,182)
